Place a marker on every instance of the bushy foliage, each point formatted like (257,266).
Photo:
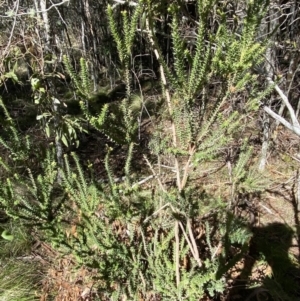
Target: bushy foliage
(142,235)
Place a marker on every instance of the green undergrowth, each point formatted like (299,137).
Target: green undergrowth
(155,235)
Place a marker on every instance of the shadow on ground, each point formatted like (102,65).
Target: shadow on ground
(269,268)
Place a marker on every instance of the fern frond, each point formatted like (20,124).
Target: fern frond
(184,129)
(85,80)
(7,115)
(70,70)
(128,163)
(33,187)
(200,63)
(208,124)
(239,171)
(115,33)
(82,81)
(178,48)
(82,180)
(109,173)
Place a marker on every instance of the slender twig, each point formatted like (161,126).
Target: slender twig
(190,245)
(293,128)
(266,208)
(187,168)
(156,212)
(167,94)
(58,12)
(38,11)
(144,242)
(155,175)
(216,251)
(176,229)
(192,238)
(286,102)
(143,279)
(12,30)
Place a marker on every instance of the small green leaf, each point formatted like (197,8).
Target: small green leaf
(64,140)
(36,100)
(56,101)
(47,130)
(7,236)
(12,75)
(39,117)
(35,82)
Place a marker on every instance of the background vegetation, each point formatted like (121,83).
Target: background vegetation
(149,150)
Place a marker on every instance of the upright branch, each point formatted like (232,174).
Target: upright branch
(294,126)
(154,44)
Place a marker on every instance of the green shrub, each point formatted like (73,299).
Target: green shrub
(139,232)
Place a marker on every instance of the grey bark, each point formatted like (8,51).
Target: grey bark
(269,27)
(57,117)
